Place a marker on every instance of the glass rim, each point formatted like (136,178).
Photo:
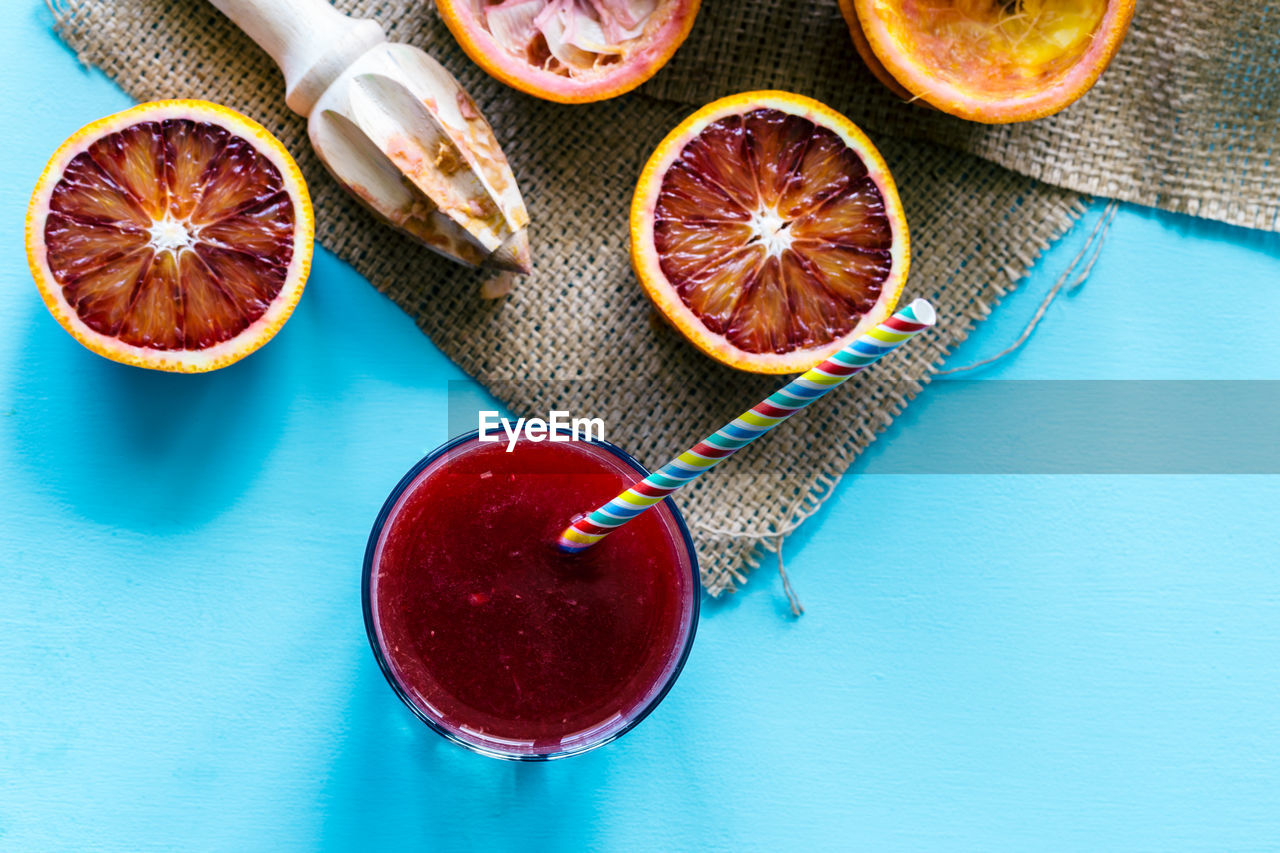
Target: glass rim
(366,588)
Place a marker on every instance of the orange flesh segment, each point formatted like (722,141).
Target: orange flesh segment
(998,46)
(772,232)
(170,235)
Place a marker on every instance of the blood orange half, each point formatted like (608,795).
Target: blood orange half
(993,61)
(176,235)
(570,51)
(768,230)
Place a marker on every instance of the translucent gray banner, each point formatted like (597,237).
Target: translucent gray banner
(1087,427)
(962,426)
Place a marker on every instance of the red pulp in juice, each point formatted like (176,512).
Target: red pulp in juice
(498,636)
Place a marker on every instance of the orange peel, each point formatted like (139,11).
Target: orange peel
(990,61)
(568,51)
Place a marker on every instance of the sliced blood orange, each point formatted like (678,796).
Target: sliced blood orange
(993,61)
(176,235)
(766,227)
(570,51)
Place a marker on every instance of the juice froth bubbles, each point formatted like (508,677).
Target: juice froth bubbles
(497,639)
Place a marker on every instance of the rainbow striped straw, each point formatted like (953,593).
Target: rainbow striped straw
(750,425)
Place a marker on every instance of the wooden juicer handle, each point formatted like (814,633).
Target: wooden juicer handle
(312,42)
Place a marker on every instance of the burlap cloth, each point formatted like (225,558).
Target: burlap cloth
(1185,119)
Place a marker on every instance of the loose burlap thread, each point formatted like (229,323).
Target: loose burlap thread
(579,334)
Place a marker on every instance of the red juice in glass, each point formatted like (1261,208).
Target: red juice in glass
(494,637)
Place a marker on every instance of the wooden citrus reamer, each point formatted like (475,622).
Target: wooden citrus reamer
(395,128)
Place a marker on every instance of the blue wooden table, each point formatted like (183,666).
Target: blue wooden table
(1020,661)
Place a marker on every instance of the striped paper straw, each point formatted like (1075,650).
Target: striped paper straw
(750,425)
